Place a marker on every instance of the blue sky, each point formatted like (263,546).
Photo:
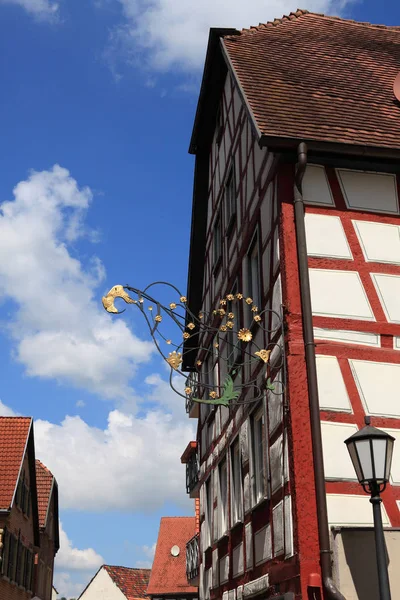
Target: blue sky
(107,90)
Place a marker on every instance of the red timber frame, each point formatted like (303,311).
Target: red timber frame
(301,466)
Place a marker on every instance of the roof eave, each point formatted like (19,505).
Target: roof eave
(212,66)
(282,144)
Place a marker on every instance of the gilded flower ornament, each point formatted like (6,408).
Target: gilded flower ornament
(188,390)
(245,335)
(183,299)
(172,305)
(263,354)
(213,395)
(231,315)
(186,335)
(257,318)
(249,300)
(174,359)
(239,296)
(230,297)
(158,318)
(191,326)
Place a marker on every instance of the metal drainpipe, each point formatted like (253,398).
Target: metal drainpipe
(311,366)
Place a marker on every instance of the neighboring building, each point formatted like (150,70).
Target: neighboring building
(19,514)
(328,82)
(117,583)
(47,491)
(54,594)
(168,578)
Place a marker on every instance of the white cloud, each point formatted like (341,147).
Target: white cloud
(132,464)
(149,552)
(71,558)
(80,404)
(43,10)
(173,33)
(65,586)
(60,328)
(6,411)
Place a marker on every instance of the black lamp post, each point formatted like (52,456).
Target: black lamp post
(371,453)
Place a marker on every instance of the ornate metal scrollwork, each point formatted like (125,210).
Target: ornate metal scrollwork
(215,337)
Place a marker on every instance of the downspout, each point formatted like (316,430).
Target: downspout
(308,335)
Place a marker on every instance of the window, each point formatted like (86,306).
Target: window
(258,477)
(17,561)
(217,241)
(236,487)
(222,497)
(253,273)
(230,199)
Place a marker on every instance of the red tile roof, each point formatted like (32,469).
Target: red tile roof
(310,76)
(13,440)
(44,483)
(168,574)
(132,582)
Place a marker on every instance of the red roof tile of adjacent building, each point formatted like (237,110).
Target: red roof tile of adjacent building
(168,574)
(313,77)
(132,582)
(44,483)
(14,433)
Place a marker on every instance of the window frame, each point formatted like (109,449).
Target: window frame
(258,463)
(236,479)
(230,199)
(223,498)
(254,290)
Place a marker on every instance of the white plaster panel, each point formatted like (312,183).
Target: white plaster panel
(239,592)
(246,492)
(331,388)
(225,595)
(275,410)
(248,533)
(316,188)
(375,192)
(348,509)
(380,242)
(277,520)
(395,471)
(339,294)
(336,457)
(232,594)
(102,586)
(396,343)
(388,289)
(288,527)
(378,385)
(276,461)
(398,504)
(215,574)
(326,237)
(224,569)
(348,337)
(237,560)
(207,583)
(262,545)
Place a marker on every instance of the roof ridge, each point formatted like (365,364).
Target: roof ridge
(301,12)
(130,568)
(39,462)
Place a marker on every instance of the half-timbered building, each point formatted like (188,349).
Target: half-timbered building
(297,126)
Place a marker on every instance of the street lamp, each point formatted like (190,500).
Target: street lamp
(371,453)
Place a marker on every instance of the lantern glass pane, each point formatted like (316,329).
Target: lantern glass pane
(354,459)
(365,458)
(379,452)
(389,454)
